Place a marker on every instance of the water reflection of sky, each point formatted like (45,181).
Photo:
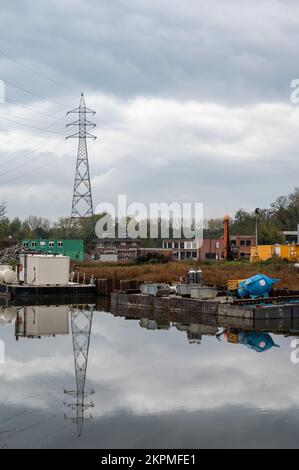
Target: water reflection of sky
(152,389)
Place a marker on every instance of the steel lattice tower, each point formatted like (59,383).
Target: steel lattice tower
(82,206)
(81,321)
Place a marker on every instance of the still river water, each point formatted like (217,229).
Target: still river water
(109,381)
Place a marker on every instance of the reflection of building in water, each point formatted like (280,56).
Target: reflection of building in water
(195,331)
(37,321)
(81,320)
(7,314)
(158,324)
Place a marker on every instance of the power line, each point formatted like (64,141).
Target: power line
(23,105)
(21,117)
(24,163)
(36,72)
(34,170)
(37,144)
(35,94)
(32,149)
(32,127)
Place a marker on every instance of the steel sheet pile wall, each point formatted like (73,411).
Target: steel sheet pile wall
(201,307)
(107,286)
(172,303)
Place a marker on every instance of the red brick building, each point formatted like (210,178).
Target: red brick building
(210,249)
(128,249)
(240,246)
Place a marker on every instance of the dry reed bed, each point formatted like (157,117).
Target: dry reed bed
(217,273)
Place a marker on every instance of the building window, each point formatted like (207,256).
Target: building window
(51,244)
(182,245)
(42,243)
(242,242)
(242,255)
(194,254)
(248,242)
(33,244)
(25,244)
(60,244)
(169,244)
(210,255)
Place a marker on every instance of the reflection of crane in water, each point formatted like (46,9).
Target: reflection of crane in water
(81,321)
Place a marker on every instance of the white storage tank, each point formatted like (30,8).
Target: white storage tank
(9,276)
(38,270)
(4,267)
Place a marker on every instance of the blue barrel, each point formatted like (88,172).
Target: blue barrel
(257,286)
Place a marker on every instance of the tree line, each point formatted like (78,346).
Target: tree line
(283,214)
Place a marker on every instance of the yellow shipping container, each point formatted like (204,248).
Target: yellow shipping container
(265,252)
(290,252)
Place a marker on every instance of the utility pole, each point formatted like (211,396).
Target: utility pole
(82,206)
(226,238)
(81,321)
(257,211)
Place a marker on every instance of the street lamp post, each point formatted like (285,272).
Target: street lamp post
(257,211)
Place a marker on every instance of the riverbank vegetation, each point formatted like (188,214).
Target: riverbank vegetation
(214,273)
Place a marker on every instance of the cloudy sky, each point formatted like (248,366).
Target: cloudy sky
(192,101)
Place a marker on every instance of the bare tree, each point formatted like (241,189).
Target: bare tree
(62,227)
(215,225)
(35,222)
(2,211)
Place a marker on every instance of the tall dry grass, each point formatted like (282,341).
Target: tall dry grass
(214,273)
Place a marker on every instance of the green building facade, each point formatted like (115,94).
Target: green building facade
(72,248)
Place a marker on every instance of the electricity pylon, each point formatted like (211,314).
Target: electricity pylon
(81,321)
(82,206)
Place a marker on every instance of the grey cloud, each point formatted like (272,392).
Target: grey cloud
(206,153)
(237,52)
